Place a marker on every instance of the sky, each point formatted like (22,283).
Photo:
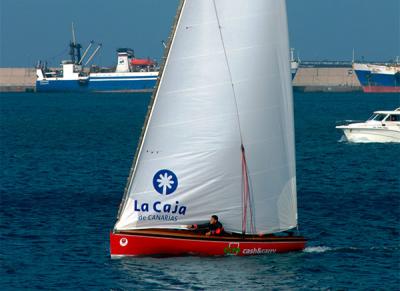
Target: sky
(319,29)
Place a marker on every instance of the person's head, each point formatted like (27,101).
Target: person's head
(214,219)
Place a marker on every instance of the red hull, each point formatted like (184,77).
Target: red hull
(381,89)
(145,244)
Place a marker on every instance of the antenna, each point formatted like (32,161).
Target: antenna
(353,59)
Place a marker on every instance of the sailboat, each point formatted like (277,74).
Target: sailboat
(218,139)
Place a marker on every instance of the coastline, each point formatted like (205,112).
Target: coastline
(321,79)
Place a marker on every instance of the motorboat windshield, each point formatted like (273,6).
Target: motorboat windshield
(377,117)
(393,116)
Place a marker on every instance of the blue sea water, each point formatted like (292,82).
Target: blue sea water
(64,163)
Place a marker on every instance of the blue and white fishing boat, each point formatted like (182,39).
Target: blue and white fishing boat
(130,75)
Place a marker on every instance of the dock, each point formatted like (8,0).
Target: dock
(309,78)
(328,79)
(17,79)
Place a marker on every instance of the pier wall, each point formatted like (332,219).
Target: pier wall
(17,79)
(326,80)
(306,80)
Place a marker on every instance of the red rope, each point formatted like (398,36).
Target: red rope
(244,192)
(246,195)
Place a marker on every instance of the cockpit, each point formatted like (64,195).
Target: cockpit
(377,117)
(393,117)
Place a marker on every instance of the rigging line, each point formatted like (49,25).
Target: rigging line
(248,199)
(246,193)
(58,55)
(229,70)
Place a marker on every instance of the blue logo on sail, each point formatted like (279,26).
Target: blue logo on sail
(165,182)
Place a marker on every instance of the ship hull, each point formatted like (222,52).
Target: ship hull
(381,89)
(365,135)
(168,244)
(378,79)
(60,86)
(106,83)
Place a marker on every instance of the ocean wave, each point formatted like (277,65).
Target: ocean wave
(323,249)
(318,249)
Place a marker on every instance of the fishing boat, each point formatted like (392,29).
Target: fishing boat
(131,74)
(382,126)
(218,139)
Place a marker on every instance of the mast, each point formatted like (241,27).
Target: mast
(73,33)
(246,192)
(74,47)
(151,105)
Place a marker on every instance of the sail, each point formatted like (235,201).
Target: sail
(224,96)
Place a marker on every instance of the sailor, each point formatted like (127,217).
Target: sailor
(214,227)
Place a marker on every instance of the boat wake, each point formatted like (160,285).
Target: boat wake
(318,249)
(323,249)
(343,139)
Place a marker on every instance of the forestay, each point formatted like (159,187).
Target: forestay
(226,82)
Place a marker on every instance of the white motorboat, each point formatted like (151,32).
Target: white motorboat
(382,126)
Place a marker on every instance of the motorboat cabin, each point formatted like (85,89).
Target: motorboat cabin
(382,126)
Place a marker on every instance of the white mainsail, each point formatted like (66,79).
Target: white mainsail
(226,83)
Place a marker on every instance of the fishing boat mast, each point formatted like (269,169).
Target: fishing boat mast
(74,47)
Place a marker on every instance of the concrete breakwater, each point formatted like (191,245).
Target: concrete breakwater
(17,79)
(306,80)
(326,80)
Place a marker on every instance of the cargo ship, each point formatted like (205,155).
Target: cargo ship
(130,75)
(378,78)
